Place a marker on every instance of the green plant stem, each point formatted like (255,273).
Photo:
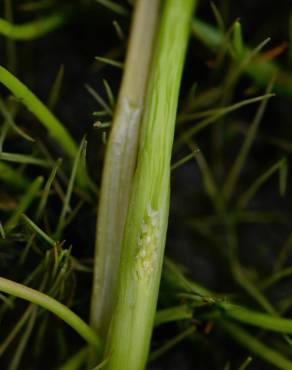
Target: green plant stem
(220,112)
(171,314)
(146,225)
(245,197)
(114,7)
(24,159)
(119,164)
(110,62)
(260,70)
(257,347)
(66,203)
(258,319)
(51,304)
(55,128)
(38,230)
(46,190)
(37,28)
(236,168)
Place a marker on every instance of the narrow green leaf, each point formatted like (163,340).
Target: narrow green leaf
(171,314)
(110,62)
(258,319)
(46,191)
(218,17)
(238,164)
(237,40)
(99,99)
(56,89)
(9,119)
(38,230)
(187,134)
(245,364)
(55,128)
(16,328)
(184,160)
(23,158)
(35,29)
(24,203)
(255,346)
(66,204)
(247,195)
(109,93)
(114,6)
(25,335)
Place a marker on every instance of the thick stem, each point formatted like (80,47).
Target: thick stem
(119,164)
(145,230)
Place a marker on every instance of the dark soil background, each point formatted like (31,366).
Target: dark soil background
(91,34)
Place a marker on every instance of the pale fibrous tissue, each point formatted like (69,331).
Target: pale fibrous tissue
(147,245)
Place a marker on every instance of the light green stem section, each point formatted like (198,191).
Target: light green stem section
(34,29)
(51,304)
(145,231)
(119,165)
